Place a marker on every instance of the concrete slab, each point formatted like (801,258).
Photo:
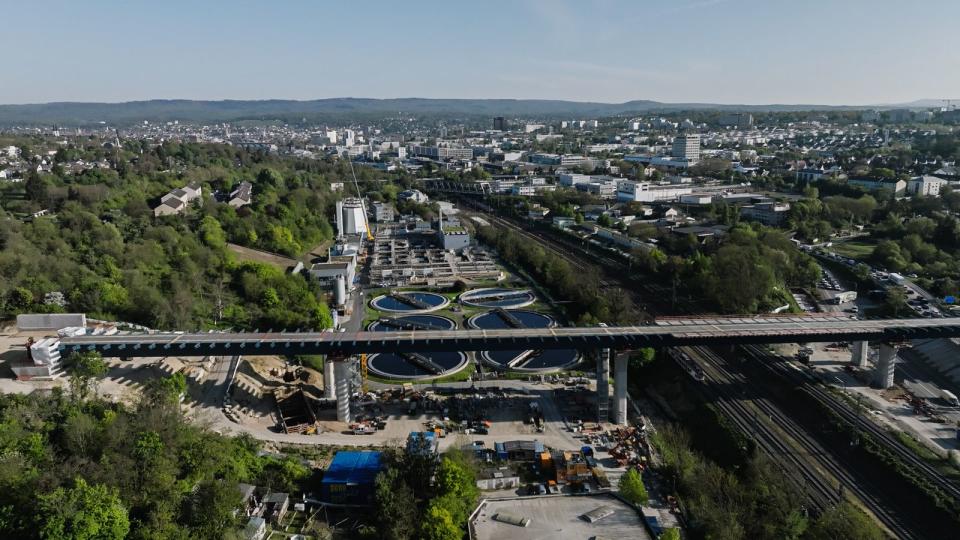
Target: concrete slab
(558,518)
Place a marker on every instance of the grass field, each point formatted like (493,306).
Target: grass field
(854,249)
(273,259)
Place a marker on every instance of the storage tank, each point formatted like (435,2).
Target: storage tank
(340,290)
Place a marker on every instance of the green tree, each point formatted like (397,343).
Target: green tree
(19,298)
(396,506)
(896,300)
(456,479)
(844,521)
(631,487)
(438,524)
(642,357)
(82,512)
(84,369)
(862,272)
(212,233)
(670,534)
(37,189)
(210,509)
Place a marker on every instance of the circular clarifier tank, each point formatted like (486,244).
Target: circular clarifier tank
(415,366)
(409,302)
(524,361)
(498,298)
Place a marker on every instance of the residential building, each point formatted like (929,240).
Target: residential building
(178,200)
(256,529)
(523,190)
(768,213)
(687,147)
(383,212)
(631,191)
(741,120)
(948,171)
(414,195)
(563,222)
(896,187)
(241,196)
(928,186)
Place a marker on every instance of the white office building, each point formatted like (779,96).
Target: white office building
(687,147)
(630,191)
(571,179)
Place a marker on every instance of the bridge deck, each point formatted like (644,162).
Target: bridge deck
(673,332)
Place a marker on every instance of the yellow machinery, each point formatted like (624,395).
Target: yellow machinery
(363,369)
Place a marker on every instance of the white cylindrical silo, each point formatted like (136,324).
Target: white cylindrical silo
(340,290)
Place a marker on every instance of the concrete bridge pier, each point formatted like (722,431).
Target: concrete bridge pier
(859,351)
(620,387)
(329,379)
(342,376)
(884,371)
(603,385)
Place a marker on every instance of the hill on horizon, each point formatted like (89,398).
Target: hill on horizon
(158,110)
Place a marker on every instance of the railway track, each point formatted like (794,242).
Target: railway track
(797,466)
(850,415)
(560,249)
(744,416)
(823,493)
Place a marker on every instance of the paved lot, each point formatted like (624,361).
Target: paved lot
(558,518)
(883,405)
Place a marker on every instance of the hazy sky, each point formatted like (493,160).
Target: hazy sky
(723,51)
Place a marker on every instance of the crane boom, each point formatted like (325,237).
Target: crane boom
(363,208)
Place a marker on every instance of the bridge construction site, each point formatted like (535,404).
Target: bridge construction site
(342,349)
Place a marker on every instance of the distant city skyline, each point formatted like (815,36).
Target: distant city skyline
(856,52)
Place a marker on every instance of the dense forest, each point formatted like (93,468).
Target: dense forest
(100,250)
(74,466)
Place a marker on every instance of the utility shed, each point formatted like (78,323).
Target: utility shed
(349,478)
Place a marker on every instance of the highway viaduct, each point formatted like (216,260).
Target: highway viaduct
(671,332)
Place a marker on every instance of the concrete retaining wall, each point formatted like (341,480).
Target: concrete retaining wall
(50,321)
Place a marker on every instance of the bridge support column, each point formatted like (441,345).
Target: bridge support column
(883,372)
(859,353)
(342,376)
(329,378)
(603,385)
(620,388)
